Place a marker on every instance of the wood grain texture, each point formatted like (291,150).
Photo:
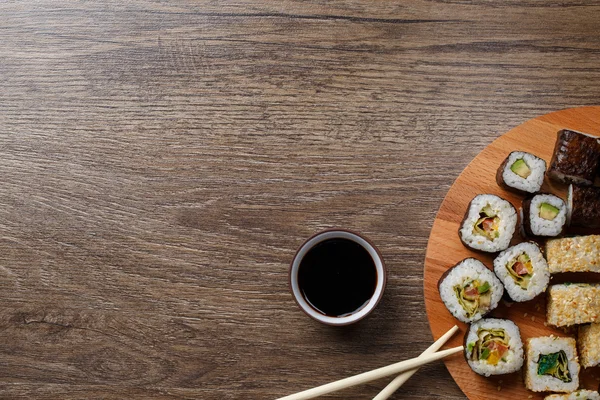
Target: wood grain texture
(444,249)
(162,161)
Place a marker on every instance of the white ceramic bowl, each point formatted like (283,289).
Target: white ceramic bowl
(338,234)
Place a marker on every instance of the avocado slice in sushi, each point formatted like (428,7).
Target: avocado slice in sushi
(521,168)
(548,211)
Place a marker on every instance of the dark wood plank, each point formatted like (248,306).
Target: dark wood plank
(161,162)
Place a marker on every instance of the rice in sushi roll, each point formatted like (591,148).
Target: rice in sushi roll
(551,365)
(543,215)
(523,271)
(583,206)
(489,224)
(470,290)
(578,395)
(572,304)
(576,158)
(588,344)
(574,254)
(521,172)
(494,347)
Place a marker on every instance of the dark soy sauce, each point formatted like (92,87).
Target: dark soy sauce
(337,277)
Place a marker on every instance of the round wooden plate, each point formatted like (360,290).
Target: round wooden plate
(445,249)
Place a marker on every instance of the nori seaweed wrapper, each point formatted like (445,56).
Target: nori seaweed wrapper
(585,203)
(576,158)
(526,223)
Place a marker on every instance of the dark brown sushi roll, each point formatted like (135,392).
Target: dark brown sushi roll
(583,206)
(576,158)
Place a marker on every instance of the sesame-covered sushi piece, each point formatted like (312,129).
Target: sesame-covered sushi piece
(523,271)
(551,364)
(470,290)
(576,158)
(494,347)
(583,206)
(578,395)
(489,224)
(588,344)
(573,304)
(574,254)
(521,172)
(543,215)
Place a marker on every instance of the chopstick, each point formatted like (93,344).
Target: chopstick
(400,379)
(365,377)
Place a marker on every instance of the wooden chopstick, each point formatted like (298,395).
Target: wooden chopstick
(365,377)
(400,379)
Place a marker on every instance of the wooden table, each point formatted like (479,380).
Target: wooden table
(162,161)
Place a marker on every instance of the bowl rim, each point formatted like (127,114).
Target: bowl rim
(332,233)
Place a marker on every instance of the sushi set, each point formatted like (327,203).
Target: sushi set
(514,259)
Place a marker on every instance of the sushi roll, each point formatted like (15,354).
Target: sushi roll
(574,254)
(494,347)
(578,395)
(576,158)
(470,290)
(543,215)
(572,304)
(588,344)
(551,364)
(489,224)
(583,206)
(523,271)
(521,172)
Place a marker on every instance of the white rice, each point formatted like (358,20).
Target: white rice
(469,268)
(547,383)
(578,395)
(533,182)
(508,221)
(514,356)
(540,226)
(569,204)
(539,279)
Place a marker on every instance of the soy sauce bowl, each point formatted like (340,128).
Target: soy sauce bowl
(316,249)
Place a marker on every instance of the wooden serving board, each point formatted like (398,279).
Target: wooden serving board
(445,249)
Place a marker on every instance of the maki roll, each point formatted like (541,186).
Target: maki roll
(576,158)
(494,347)
(578,395)
(489,224)
(470,290)
(583,206)
(551,365)
(521,172)
(523,271)
(588,344)
(574,254)
(572,304)
(543,215)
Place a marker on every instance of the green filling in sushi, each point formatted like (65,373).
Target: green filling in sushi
(556,365)
(521,168)
(487,224)
(473,295)
(548,211)
(521,270)
(491,345)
